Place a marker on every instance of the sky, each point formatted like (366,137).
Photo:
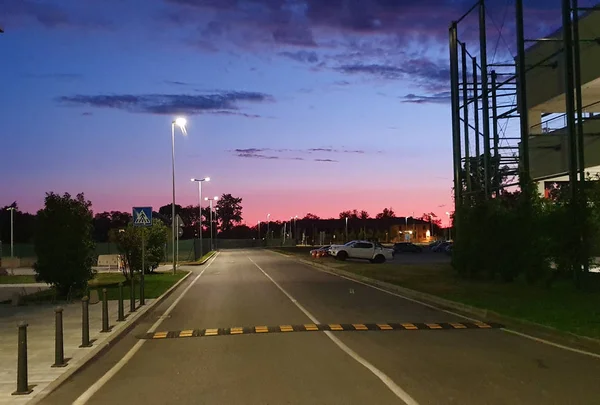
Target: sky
(296,106)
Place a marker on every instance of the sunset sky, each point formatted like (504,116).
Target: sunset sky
(294,105)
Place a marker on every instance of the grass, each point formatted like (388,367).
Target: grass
(155,285)
(17,279)
(561,306)
(199,261)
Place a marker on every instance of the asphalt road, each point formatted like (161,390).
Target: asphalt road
(255,288)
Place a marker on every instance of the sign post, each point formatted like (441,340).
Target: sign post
(142,217)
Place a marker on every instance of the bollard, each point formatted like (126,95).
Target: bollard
(121,317)
(59,353)
(85,322)
(142,282)
(105,326)
(22,383)
(132,295)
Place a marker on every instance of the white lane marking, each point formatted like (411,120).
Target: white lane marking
(507,330)
(83,398)
(399,392)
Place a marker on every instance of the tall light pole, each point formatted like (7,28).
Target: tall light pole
(449,226)
(199,181)
(346,229)
(295,227)
(180,122)
(12,231)
(268,224)
(215,198)
(258,227)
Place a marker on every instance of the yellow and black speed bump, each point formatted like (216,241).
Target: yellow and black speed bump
(354,327)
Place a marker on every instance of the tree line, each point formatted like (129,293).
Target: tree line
(227,218)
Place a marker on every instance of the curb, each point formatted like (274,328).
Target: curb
(214,252)
(119,331)
(445,304)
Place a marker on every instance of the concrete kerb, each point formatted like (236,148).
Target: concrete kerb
(214,252)
(460,308)
(118,331)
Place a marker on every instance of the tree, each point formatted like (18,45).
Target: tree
(311,216)
(351,214)
(432,218)
(229,211)
(129,244)
(386,213)
(63,242)
(364,215)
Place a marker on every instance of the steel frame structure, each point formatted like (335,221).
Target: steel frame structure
(492,96)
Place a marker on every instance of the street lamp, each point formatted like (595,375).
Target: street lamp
(258,227)
(449,226)
(346,229)
(12,231)
(295,227)
(268,223)
(199,181)
(180,122)
(215,198)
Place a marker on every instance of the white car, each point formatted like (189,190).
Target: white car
(362,249)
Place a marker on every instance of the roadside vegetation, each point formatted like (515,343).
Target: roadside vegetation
(26,279)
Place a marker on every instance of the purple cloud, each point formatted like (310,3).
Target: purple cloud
(168,104)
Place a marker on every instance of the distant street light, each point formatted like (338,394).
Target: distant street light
(199,181)
(449,226)
(258,227)
(346,229)
(268,224)
(180,122)
(12,231)
(215,198)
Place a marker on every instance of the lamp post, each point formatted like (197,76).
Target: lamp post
(268,224)
(295,228)
(215,198)
(346,229)
(449,226)
(12,231)
(180,122)
(199,181)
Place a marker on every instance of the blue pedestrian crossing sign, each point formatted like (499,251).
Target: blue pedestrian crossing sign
(142,216)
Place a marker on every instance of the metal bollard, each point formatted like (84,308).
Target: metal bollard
(59,353)
(22,383)
(142,298)
(85,322)
(121,317)
(105,326)
(132,296)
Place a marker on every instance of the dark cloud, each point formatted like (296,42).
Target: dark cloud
(302,56)
(178,83)
(224,102)
(87,113)
(290,154)
(422,72)
(47,14)
(437,98)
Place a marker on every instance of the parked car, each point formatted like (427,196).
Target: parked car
(441,247)
(320,252)
(361,249)
(406,247)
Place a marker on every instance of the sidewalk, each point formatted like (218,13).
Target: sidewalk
(40,338)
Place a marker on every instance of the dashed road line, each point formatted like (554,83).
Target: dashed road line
(333,327)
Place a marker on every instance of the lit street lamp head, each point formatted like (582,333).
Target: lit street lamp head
(180,122)
(206,179)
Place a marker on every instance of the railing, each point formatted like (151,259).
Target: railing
(551,124)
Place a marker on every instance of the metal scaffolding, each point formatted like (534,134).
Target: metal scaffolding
(498,93)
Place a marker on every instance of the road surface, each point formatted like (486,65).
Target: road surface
(260,288)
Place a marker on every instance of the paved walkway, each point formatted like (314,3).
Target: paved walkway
(40,337)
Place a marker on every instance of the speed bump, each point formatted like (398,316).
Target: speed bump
(332,327)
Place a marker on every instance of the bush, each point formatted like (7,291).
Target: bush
(63,242)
